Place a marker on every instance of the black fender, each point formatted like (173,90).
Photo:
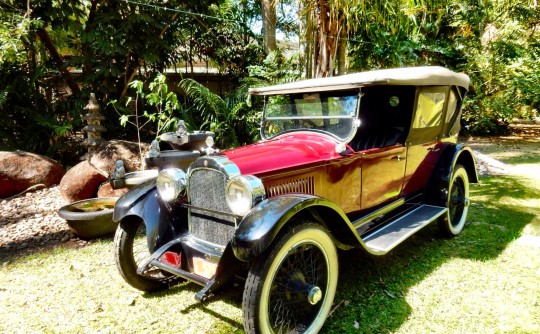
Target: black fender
(439,181)
(129,204)
(262,224)
(160,219)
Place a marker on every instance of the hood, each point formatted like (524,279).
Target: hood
(289,150)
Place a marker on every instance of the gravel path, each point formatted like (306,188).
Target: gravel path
(31,222)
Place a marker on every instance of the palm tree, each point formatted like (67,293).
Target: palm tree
(326,26)
(269,19)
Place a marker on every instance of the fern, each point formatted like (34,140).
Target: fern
(3,98)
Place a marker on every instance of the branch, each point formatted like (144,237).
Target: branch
(129,74)
(57,58)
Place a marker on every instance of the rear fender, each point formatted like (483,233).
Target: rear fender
(453,154)
(143,202)
(260,227)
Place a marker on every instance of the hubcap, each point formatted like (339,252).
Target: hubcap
(314,295)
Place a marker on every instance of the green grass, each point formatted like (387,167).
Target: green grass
(486,280)
(70,290)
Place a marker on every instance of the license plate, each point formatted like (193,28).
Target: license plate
(204,268)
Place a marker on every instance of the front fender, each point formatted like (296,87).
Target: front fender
(261,225)
(128,204)
(162,222)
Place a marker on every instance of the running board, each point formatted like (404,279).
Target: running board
(384,239)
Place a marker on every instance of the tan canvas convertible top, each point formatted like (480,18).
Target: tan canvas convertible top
(416,76)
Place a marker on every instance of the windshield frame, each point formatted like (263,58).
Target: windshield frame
(354,117)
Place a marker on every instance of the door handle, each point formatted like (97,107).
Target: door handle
(399,158)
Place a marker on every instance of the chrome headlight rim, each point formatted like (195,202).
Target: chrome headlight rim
(252,192)
(171,184)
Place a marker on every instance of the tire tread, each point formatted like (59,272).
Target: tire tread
(127,268)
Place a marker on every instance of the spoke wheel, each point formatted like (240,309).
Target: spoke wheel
(458,201)
(290,288)
(131,248)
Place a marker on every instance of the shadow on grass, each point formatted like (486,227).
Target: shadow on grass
(13,250)
(371,289)
(492,189)
(230,295)
(371,292)
(522,158)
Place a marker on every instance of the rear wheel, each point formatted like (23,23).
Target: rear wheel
(458,201)
(131,248)
(290,287)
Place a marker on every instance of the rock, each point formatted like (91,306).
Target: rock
(81,182)
(487,165)
(105,190)
(106,155)
(22,170)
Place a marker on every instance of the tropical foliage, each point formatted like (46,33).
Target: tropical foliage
(106,44)
(495,42)
(155,106)
(54,53)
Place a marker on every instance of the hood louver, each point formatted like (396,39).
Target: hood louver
(301,185)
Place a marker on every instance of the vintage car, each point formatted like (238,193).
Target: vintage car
(362,161)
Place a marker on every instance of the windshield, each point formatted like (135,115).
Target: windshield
(330,112)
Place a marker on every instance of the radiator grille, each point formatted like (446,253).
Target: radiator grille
(301,185)
(207,190)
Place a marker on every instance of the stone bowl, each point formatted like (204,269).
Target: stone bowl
(90,218)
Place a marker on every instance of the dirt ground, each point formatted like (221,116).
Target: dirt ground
(517,153)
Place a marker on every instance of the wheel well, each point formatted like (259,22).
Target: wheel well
(342,231)
(130,219)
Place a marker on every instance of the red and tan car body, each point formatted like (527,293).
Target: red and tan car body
(369,176)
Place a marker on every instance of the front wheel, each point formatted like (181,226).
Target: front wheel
(291,286)
(131,249)
(458,201)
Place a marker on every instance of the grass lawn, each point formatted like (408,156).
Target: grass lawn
(486,280)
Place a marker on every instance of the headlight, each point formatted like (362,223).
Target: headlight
(243,192)
(171,183)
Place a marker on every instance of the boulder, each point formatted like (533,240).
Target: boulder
(81,182)
(22,170)
(105,156)
(106,190)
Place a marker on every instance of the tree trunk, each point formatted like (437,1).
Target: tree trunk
(326,30)
(53,53)
(269,19)
(342,52)
(327,38)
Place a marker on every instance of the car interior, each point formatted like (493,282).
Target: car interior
(385,116)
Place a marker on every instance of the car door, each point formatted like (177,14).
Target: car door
(385,117)
(382,174)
